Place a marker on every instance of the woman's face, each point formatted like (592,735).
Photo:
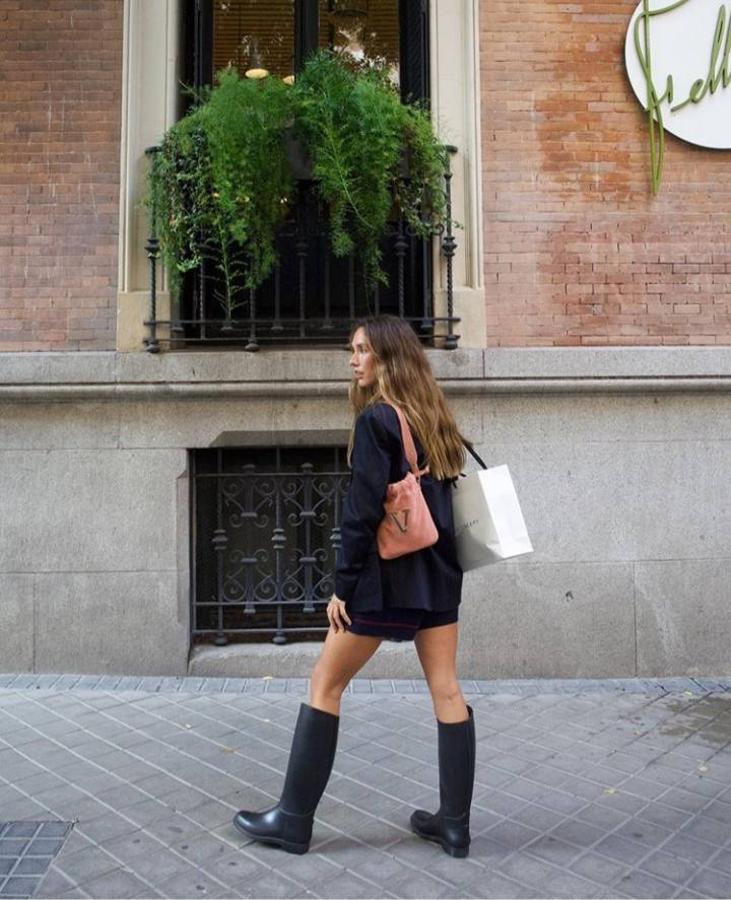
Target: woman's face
(363,360)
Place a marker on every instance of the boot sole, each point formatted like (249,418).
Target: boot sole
(288,846)
(457,852)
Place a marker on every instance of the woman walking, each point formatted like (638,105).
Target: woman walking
(412,597)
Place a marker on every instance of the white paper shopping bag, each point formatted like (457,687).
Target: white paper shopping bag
(488,522)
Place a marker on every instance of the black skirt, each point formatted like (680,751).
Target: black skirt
(398,624)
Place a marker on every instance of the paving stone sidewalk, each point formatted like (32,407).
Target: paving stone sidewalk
(125,787)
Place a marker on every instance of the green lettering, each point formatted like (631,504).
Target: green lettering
(654,112)
(700,87)
(715,76)
(719,74)
(726,73)
(697,92)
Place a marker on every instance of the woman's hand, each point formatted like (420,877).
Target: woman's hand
(336,614)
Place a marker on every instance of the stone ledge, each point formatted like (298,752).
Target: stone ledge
(608,362)
(110,375)
(81,367)
(196,367)
(172,392)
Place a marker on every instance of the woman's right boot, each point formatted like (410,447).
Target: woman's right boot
(450,825)
(289,824)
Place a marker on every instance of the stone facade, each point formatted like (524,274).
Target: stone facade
(619,457)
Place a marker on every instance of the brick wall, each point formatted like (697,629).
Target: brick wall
(60,106)
(578,250)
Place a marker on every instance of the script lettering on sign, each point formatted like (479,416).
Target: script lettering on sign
(678,59)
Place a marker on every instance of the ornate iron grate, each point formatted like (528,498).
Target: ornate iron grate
(265,532)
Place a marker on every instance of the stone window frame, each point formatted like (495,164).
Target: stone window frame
(151,71)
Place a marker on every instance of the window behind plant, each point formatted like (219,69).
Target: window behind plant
(364,30)
(254,36)
(224,187)
(258,36)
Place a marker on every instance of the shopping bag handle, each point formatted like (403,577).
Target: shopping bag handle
(474,454)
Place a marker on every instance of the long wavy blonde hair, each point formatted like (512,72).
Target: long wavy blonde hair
(404,377)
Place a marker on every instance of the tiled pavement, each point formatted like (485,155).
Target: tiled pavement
(27,850)
(583,789)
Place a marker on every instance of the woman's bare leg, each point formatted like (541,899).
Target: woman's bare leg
(342,656)
(437,649)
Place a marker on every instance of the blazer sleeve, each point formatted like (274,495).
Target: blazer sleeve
(363,506)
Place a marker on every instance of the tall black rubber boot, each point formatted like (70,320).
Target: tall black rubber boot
(450,825)
(289,824)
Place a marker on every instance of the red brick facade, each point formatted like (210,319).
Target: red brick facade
(60,113)
(578,250)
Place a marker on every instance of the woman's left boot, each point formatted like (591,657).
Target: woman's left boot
(450,825)
(289,824)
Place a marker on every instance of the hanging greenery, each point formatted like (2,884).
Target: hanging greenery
(180,196)
(359,134)
(221,183)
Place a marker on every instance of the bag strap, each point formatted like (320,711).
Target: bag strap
(410,448)
(408,442)
(474,454)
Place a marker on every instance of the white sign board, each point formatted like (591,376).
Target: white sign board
(677,58)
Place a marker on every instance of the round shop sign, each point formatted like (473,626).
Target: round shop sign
(678,58)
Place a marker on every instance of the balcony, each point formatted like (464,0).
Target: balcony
(313,297)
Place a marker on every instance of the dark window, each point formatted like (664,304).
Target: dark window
(278,35)
(265,531)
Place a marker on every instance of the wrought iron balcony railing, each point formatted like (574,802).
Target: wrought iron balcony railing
(312,297)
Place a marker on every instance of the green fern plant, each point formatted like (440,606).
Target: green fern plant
(353,124)
(221,184)
(180,192)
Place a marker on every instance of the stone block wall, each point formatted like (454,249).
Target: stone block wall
(618,455)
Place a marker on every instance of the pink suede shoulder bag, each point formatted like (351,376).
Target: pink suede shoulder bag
(407,525)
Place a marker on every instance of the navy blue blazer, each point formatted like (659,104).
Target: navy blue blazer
(427,579)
